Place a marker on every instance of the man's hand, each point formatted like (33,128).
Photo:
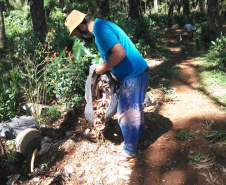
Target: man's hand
(100,70)
(117,55)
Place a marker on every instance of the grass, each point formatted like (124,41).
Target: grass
(212,78)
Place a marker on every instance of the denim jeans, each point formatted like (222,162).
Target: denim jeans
(130,110)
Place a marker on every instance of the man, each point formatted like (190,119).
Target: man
(123,59)
(190,29)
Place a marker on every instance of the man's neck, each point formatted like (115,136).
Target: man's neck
(90,26)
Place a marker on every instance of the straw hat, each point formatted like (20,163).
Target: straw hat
(73,20)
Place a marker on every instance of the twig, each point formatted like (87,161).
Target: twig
(154,77)
(3,148)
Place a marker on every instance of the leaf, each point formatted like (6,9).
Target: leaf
(5,66)
(78,50)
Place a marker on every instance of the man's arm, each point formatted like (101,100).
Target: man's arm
(118,53)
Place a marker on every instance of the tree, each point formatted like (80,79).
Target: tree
(102,8)
(2,27)
(38,19)
(156,6)
(213,9)
(134,9)
(171,6)
(186,9)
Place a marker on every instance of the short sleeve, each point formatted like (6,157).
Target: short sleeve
(106,37)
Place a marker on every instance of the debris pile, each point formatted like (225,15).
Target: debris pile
(101,95)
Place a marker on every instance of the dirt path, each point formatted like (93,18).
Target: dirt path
(162,159)
(166,160)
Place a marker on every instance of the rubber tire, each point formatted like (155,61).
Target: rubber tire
(27,141)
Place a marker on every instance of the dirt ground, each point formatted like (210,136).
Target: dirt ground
(163,159)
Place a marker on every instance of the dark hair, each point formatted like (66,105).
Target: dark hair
(86,20)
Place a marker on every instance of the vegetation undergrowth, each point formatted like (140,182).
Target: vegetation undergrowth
(212,70)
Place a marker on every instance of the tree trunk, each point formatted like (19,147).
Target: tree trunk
(134,9)
(213,9)
(178,3)
(171,6)
(38,19)
(142,7)
(2,27)
(205,6)
(156,6)
(186,9)
(102,8)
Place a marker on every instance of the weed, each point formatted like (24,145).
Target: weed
(210,178)
(183,135)
(196,158)
(217,136)
(51,114)
(45,164)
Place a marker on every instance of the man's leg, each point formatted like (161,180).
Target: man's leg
(130,111)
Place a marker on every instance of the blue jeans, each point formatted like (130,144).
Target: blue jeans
(130,110)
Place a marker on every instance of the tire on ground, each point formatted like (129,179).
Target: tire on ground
(27,141)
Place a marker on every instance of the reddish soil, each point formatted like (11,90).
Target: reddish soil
(166,160)
(163,159)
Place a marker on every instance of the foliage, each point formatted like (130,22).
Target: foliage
(11,149)
(146,36)
(51,114)
(217,136)
(9,89)
(19,33)
(196,158)
(33,81)
(183,135)
(56,19)
(165,21)
(21,5)
(206,32)
(213,77)
(217,52)
(67,70)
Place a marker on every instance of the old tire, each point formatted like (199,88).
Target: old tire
(27,141)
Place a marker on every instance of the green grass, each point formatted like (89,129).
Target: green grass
(212,78)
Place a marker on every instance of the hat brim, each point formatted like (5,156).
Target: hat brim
(73,20)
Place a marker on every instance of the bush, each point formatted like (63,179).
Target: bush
(205,33)
(67,70)
(51,114)
(19,33)
(8,91)
(217,52)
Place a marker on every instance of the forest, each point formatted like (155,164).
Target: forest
(43,73)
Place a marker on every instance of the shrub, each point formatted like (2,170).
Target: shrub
(67,70)
(217,52)
(9,89)
(205,33)
(19,33)
(51,114)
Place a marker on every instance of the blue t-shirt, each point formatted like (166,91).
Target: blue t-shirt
(107,34)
